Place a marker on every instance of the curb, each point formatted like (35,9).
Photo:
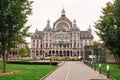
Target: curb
(110,77)
(52,70)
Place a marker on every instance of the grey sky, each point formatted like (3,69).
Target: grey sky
(86,12)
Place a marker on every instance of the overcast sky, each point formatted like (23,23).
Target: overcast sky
(86,12)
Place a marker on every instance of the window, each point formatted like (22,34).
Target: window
(85,42)
(50,45)
(89,42)
(33,41)
(46,45)
(78,45)
(85,35)
(36,45)
(41,45)
(74,45)
(33,45)
(37,36)
(37,41)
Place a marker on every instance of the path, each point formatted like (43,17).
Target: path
(75,71)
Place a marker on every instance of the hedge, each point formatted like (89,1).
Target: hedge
(30,63)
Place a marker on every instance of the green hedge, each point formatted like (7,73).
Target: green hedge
(36,63)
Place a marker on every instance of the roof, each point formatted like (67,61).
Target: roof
(85,35)
(62,18)
(37,35)
(48,28)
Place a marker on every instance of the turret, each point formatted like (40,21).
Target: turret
(89,29)
(48,28)
(63,12)
(74,27)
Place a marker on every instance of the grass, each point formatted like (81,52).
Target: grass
(114,71)
(26,72)
(22,59)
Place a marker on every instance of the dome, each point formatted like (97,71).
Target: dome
(61,29)
(63,19)
(48,28)
(74,27)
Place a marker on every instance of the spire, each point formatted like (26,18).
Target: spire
(74,22)
(89,29)
(63,12)
(48,28)
(48,22)
(74,27)
(36,30)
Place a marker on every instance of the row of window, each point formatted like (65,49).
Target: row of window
(82,42)
(86,36)
(75,45)
(62,35)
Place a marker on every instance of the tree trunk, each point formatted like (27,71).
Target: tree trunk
(117,57)
(119,61)
(4,60)
(8,52)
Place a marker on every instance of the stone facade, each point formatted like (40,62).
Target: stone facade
(64,39)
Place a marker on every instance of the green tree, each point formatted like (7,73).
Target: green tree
(95,48)
(0,50)
(95,43)
(13,17)
(22,52)
(108,27)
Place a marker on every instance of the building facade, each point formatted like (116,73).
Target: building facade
(64,39)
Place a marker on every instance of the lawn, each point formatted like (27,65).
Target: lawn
(23,59)
(114,71)
(26,72)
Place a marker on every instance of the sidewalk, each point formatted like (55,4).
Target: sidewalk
(71,70)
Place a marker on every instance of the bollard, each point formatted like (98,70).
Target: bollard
(108,71)
(91,63)
(95,67)
(88,63)
(50,61)
(100,68)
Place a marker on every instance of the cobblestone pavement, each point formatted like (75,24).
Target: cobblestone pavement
(71,70)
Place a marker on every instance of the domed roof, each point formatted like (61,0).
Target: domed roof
(61,29)
(63,18)
(74,27)
(48,28)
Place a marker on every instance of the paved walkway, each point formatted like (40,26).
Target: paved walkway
(71,70)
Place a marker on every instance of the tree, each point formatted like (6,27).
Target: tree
(0,50)
(13,16)
(95,48)
(22,52)
(95,43)
(108,27)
